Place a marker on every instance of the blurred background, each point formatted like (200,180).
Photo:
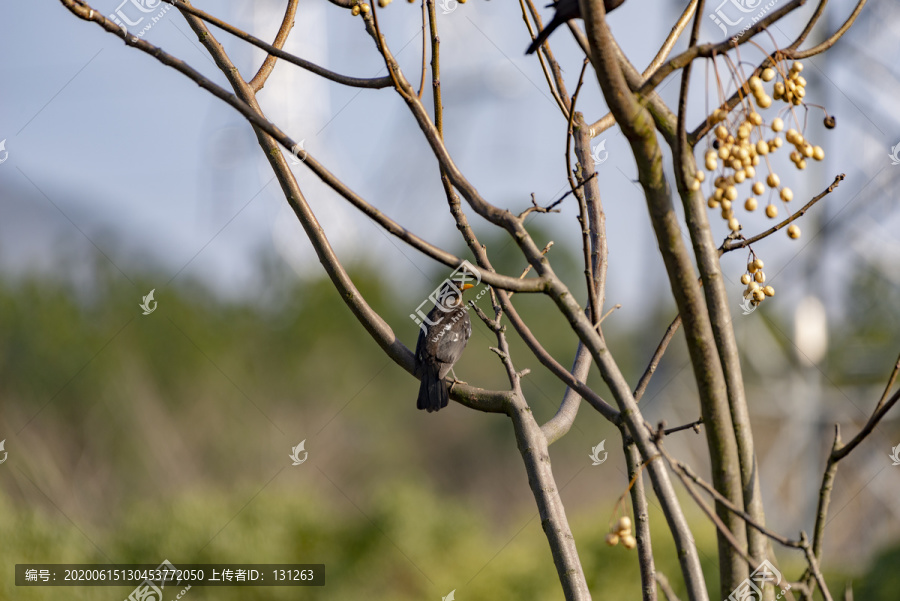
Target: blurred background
(138,438)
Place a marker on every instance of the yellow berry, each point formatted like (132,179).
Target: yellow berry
(797,67)
(712,203)
(818,153)
(727,214)
(629,542)
(364,8)
(779,89)
(787,195)
(721,132)
(759,263)
(755,118)
(745,279)
(700,176)
(758,188)
(792,135)
(759,276)
(776,143)
(777,124)
(750,171)
(753,286)
(734,225)
(755,83)
(771,211)
(612,539)
(731,193)
(801,164)
(762,147)
(355,10)
(769,291)
(764,101)
(768,74)
(739,176)
(773,180)
(383,3)
(623,524)
(793,232)
(750,204)
(759,295)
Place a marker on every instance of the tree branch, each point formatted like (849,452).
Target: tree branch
(259,80)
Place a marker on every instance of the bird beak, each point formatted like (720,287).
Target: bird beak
(467,286)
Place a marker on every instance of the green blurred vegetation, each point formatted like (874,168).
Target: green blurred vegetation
(134,439)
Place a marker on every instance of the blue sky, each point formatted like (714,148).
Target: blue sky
(124,159)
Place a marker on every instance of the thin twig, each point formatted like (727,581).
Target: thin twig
(357,82)
(730,244)
(259,80)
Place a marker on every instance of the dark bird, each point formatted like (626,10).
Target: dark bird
(442,339)
(566,10)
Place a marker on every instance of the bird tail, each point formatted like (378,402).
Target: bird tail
(433,394)
(542,36)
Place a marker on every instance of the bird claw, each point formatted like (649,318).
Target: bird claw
(455,380)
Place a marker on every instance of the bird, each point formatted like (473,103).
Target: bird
(565,11)
(442,339)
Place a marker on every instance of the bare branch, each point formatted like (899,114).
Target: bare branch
(730,244)
(831,41)
(655,359)
(357,82)
(713,49)
(259,80)
(607,120)
(641,520)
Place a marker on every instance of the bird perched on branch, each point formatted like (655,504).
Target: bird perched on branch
(565,11)
(442,339)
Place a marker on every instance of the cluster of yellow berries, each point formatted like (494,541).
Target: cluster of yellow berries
(622,532)
(364,8)
(792,88)
(740,146)
(754,280)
